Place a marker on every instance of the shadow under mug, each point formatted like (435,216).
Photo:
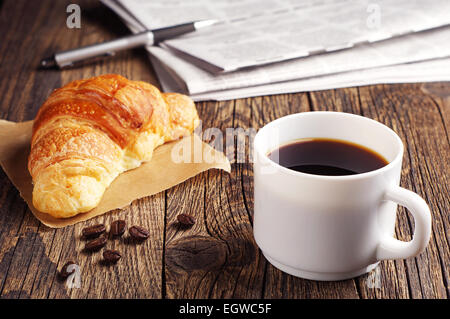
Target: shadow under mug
(332,227)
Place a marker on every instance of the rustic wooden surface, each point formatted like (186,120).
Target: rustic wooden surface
(217,258)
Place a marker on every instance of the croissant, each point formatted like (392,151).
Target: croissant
(89,131)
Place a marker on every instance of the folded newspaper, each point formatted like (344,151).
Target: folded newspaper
(226,62)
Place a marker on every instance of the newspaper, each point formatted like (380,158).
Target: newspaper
(411,48)
(427,71)
(312,73)
(257,32)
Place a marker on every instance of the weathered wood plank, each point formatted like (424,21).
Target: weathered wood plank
(429,152)
(31,262)
(415,119)
(228,218)
(22,247)
(221,240)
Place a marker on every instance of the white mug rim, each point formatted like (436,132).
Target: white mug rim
(398,157)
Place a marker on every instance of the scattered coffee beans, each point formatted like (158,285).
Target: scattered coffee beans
(111,256)
(118,228)
(93,231)
(64,273)
(97,241)
(138,232)
(186,220)
(95,244)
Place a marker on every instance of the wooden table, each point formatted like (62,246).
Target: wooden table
(217,258)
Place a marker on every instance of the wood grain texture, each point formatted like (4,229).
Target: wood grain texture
(217,257)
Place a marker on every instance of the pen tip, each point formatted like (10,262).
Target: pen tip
(205,23)
(48,63)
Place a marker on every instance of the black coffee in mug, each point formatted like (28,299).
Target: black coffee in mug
(330,157)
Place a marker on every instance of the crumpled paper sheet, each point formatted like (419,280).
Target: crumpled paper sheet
(159,174)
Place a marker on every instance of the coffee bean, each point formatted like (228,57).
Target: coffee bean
(111,256)
(186,220)
(138,232)
(64,273)
(118,227)
(93,231)
(95,244)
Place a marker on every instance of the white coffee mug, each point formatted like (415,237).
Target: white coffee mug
(332,227)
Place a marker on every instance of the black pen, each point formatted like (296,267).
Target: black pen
(71,57)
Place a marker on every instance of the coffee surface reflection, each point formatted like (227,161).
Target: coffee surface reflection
(329,157)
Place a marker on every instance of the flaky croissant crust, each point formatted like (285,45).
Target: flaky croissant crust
(89,131)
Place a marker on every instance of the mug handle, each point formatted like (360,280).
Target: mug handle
(391,248)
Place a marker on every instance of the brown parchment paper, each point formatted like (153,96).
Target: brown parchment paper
(150,178)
